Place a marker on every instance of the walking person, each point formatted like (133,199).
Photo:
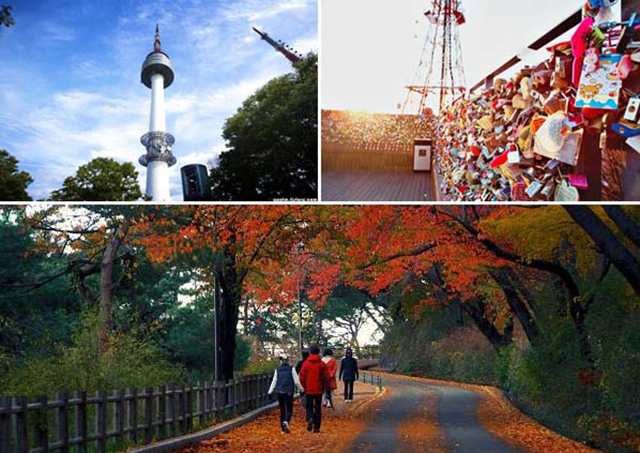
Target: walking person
(303,396)
(349,374)
(285,380)
(332,383)
(313,377)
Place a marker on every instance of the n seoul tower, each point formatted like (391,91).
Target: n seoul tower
(157,74)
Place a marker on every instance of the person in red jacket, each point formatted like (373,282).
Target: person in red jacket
(332,383)
(313,377)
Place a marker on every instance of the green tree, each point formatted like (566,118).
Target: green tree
(13,183)
(102,179)
(5,16)
(273,141)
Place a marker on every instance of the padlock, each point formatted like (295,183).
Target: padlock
(603,139)
(579,181)
(534,188)
(632,113)
(548,189)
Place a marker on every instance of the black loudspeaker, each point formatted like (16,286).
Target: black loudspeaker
(195,183)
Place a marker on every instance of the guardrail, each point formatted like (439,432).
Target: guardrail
(123,416)
(373,379)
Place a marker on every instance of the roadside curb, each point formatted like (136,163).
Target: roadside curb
(379,394)
(194,438)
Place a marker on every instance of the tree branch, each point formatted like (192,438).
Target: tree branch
(415,252)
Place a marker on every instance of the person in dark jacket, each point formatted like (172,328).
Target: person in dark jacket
(349,374)
(305,356)
(303,396)
(313,377)
(285,380)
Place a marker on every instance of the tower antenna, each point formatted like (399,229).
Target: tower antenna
(279,46)
(440,71)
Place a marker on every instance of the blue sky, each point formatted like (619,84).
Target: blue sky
(70,84)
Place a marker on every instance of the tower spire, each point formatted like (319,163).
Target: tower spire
(280,47)
(157,46)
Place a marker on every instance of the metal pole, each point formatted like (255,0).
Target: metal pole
(300,319)
(216,304)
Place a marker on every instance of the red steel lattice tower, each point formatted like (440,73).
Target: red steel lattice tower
(440,71)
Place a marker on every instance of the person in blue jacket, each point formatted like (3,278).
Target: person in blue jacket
(284,383)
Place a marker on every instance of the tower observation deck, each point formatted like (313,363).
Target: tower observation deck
(157,74)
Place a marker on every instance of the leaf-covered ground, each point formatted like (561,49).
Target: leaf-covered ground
(498,416)
(263,435)
(419,433)
(423,433)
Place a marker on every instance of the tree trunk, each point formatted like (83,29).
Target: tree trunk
(608,243)
(230,300)
(525,318)
(107,286)
(476,309)
(630,228)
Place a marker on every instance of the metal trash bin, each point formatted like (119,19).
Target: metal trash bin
(422,154)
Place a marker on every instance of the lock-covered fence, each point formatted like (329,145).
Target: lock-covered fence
(105,421)
(560,130)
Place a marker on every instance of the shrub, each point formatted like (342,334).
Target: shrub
(129,362)
(260,367)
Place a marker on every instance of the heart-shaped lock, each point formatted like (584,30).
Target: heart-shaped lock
(566,193)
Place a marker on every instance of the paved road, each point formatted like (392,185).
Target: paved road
(456,412)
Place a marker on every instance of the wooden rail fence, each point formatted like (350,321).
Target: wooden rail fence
(85,422)
(372,156)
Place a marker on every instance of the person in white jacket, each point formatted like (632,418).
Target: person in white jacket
(284,383)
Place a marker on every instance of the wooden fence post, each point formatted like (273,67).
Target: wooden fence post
(133,415)
(5,424)
(202,404)
(63,421)
(162,410)
(22,439)
(242,392)
(101,421)
(173,398)
(148,414)
(211,399)
(81,421)
(235,396)
(217,404)
(118,414)
(254,392)
(42,424)
(186,410)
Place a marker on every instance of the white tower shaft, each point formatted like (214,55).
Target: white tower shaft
(158,120)
(157,181)
(157,74)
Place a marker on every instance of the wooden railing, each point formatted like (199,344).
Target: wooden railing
(122,417)
(360,157)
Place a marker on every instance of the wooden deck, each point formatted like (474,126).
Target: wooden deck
(377,185)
